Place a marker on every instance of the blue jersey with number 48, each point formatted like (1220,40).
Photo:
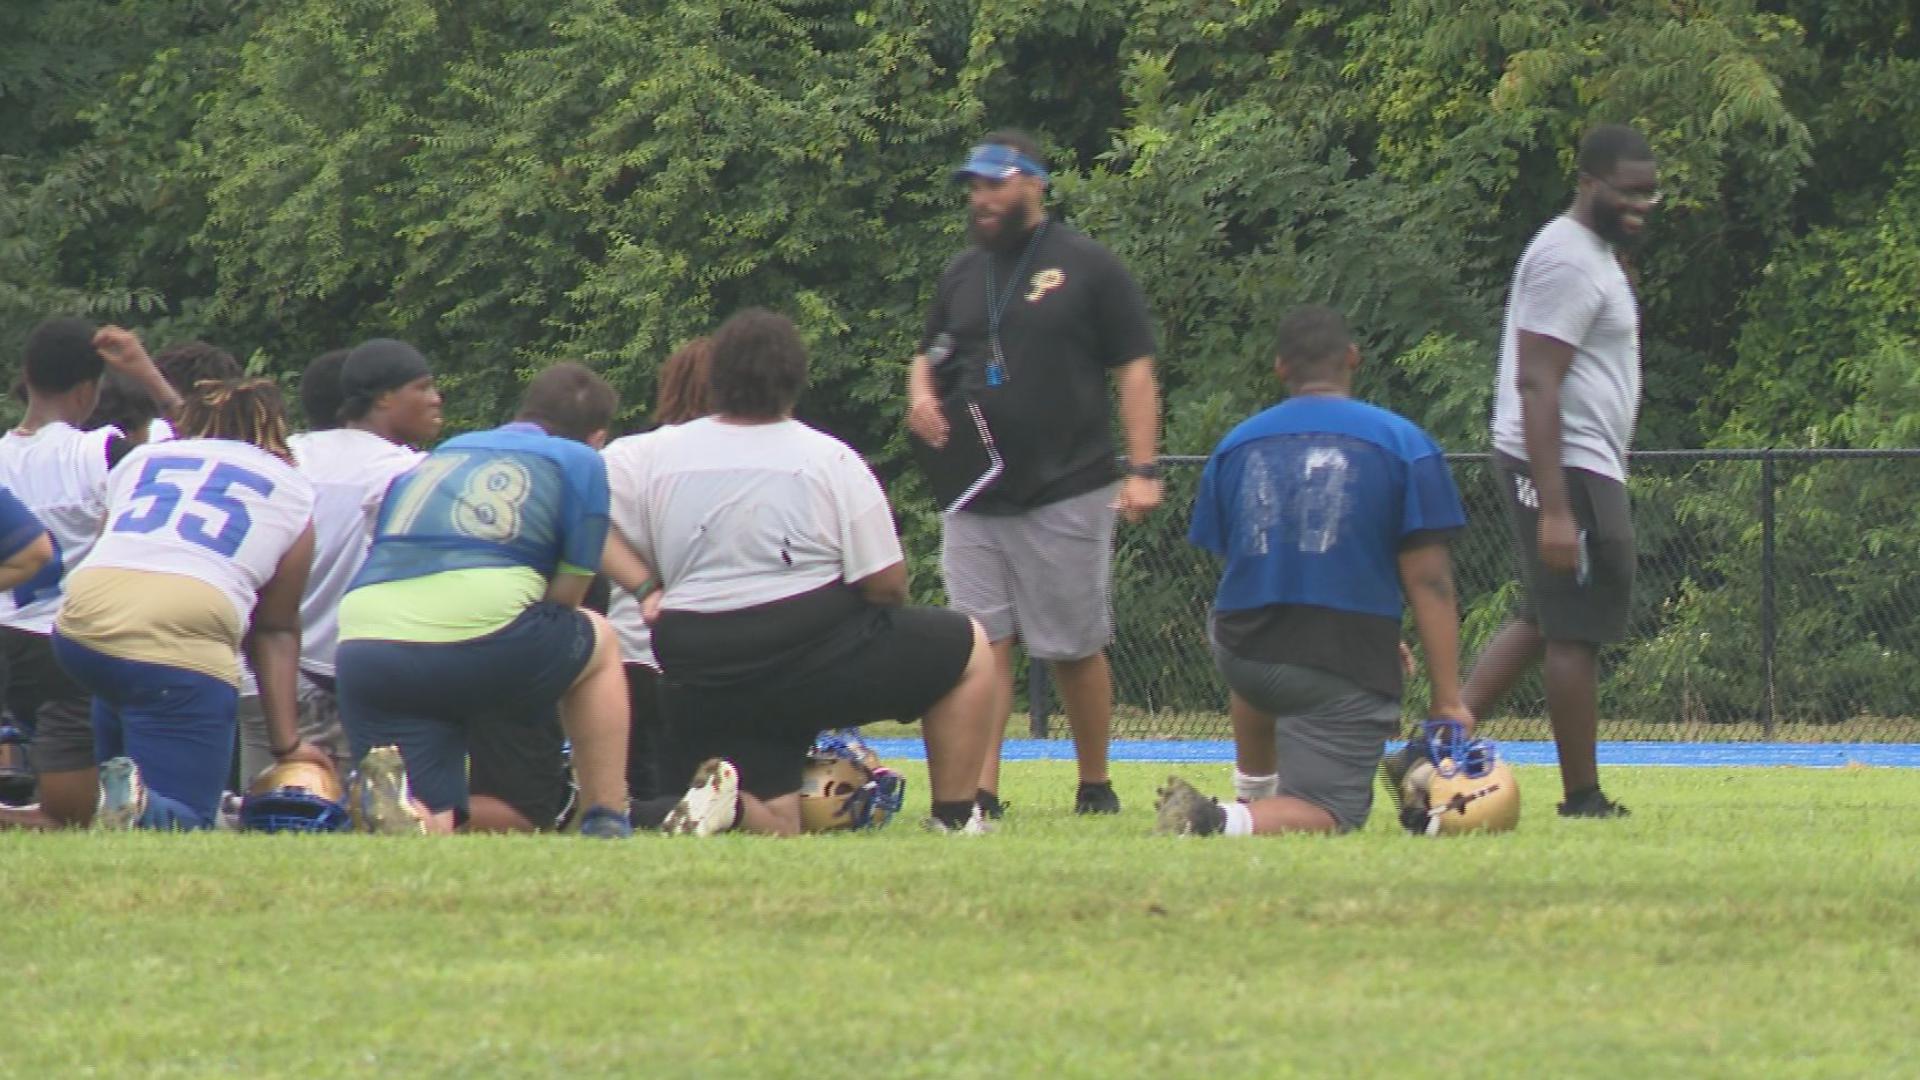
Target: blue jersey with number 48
(512,497)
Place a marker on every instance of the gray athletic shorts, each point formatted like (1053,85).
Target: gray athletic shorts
(319,725)
(1561,605)
(1043,576)
(1330,732)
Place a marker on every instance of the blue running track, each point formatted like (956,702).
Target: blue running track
(1672,754)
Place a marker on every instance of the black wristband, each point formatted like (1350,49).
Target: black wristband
(1145,470)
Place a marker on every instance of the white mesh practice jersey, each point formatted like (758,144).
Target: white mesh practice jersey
(60,473)
(350,471)
(220,511)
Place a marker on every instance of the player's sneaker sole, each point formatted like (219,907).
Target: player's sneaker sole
(711,803)
(1181,810)
(123,796)
(380,801)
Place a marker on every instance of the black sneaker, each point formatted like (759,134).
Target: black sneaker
(1395,766)
(1592,804)
(1182,810)
(1096,799)
(990,804)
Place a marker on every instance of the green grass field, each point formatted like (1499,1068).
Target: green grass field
(1743,922)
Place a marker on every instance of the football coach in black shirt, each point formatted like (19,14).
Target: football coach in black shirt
(1027,327)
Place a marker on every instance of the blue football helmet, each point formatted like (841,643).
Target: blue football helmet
(296,796)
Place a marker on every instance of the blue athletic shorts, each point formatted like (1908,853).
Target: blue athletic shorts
(177,725)
(422,698)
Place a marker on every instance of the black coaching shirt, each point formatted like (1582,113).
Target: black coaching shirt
(1072,313)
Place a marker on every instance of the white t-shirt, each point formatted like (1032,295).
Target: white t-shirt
(1568,286)
(60,473)
(159,430)
(735,515)
(215,510)
(350,471)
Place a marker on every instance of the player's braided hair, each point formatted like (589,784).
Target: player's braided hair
(244,410)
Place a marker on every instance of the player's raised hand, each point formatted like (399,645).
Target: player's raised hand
(120,348)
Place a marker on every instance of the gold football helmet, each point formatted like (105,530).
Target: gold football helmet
(295,796)
(844,786)
(1460,786)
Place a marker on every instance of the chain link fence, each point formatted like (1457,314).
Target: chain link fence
(1778,597)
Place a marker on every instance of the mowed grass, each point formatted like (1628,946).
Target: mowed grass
(1743,922)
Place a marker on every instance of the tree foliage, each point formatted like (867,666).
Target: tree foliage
(507,182)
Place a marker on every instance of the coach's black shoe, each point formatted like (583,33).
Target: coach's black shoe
(990,805)
(1183,811)
(1592,804)
(1395,766)
(1096,798)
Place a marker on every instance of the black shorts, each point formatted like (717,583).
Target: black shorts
(45,702)
(1561,605)
(888,664)
(522,761)
(645,735)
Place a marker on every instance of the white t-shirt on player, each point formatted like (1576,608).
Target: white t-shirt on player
(350,471)
(1569,286)
(60,473)
(735,515)
(220,511)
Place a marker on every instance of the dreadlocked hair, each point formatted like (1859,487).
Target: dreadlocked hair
(248,410)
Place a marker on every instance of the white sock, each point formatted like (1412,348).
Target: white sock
(1252,788)
(1239,819)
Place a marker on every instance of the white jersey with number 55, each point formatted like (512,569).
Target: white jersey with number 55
(219,511)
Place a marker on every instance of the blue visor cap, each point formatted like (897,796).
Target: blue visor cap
(992,161)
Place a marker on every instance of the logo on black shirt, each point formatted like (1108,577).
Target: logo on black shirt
(1044,282)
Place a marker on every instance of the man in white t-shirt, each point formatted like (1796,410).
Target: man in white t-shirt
(782,606)
(365,423)
(60,473)
(1564,411)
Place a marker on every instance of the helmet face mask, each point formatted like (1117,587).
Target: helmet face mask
(295,796)
(844,786)
(1462,786)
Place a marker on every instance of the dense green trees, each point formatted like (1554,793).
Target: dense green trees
(506,182)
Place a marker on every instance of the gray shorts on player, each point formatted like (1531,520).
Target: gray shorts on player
(1042,576)
(319,725)
(1329,732)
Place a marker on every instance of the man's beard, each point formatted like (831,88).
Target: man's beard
(1006,232)
(1607,224)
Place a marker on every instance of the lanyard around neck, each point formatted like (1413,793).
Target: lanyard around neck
(997,301)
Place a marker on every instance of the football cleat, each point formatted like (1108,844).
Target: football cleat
(296,796)
(844,786)
(123,796)
(604,823)
(1182,810)
(1592,804)
(711,803)
(1458,785)
(977,825)
(379,799)
(1096,799)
